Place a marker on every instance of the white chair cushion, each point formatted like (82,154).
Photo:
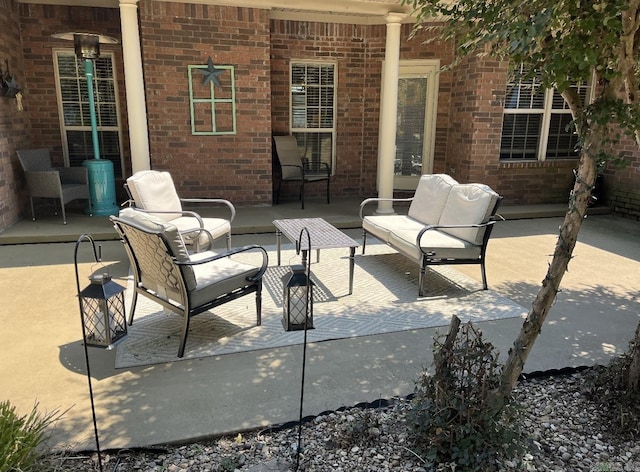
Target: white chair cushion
(219,277)
(216,226)
(442,245)
(468,204)
(430,198)
(381,226)
(154,224)
(153,190)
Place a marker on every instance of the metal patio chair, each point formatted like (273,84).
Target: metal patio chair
(294,168)
(154,192)
(186,284)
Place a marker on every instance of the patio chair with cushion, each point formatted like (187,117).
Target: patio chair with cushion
(45,181)
(186,284)
(294,168)
(154,192)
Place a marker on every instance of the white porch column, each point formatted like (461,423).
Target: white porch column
(389,112)
(134,85)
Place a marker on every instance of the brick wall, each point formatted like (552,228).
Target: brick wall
(14,124)
(474,140)
(621,185)
(176,35)
(38,23)
(358,51)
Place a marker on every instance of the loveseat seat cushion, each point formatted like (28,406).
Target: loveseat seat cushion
(219,277)
(468,204)
(382,225)
(442,245)
(430,197)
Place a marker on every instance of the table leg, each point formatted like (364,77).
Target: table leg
(352,252)
(278,238)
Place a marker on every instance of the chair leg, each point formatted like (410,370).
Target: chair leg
(228,241)
(185,331)
(302,193)
(484,275)
(421,277)
(90,207)
(64,215)
(328,191)
(33,213)
(364,241)
(132,310)
(259,304)
(278,191)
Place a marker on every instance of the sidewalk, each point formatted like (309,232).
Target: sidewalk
(592,320)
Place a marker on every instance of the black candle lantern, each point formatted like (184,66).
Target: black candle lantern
(103,311)
(297,300)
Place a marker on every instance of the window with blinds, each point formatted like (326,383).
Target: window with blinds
(313,111)
(537,123)
(75,115)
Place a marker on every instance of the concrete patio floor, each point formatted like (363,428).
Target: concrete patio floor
(592,320)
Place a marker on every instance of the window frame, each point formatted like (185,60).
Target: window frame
(319,130)
(83,128)
(545,113)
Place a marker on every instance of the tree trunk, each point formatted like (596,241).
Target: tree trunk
(585,178)
(633,381)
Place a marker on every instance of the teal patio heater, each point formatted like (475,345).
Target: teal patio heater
(102,186)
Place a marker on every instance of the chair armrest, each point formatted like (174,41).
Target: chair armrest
(40,182)
(375,199)
(220,201)
(73,175)
(305,167)
(431,227)
(203,258)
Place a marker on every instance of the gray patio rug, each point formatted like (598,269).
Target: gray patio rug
(384,300)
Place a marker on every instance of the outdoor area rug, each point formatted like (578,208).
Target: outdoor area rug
(384,300)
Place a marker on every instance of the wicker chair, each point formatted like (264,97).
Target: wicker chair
(294,168)
(185,284)
(154,192)
(44,181)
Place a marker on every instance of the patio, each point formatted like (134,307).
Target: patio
(592,320)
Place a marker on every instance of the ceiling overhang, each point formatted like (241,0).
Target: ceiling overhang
(332,11)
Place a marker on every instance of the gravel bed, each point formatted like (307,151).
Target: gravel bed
(567,433)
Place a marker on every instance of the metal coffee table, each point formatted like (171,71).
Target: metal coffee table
(323,236)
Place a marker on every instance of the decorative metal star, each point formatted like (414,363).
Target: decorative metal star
(211,74)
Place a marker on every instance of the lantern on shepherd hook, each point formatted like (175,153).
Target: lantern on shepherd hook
(102,314)
(297,299)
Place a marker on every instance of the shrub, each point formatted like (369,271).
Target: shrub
(20,437)
(450,419)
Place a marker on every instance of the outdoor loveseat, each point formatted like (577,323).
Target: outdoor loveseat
(186,284)
(447,223)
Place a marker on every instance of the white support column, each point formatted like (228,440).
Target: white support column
(134,84)
(389,112)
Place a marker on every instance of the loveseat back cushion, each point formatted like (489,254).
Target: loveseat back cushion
(430,198)
(154,224)
(155,191)
(468,204)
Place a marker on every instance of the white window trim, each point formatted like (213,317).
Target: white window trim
(546,113)
(335,98)
(64,128)
(429,68)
